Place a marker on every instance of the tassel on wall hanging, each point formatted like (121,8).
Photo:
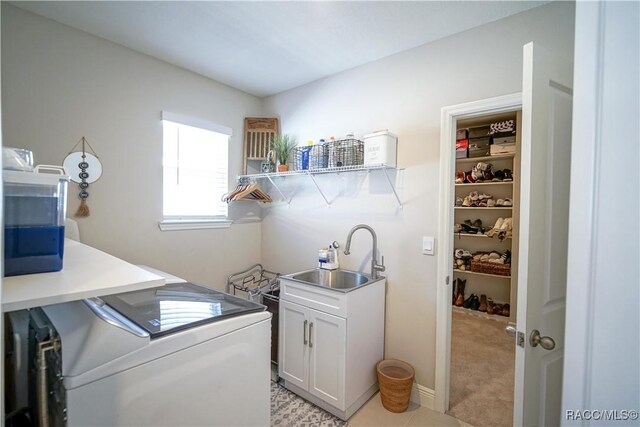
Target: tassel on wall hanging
(83,168)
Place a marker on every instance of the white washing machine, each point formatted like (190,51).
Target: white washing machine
(176,355)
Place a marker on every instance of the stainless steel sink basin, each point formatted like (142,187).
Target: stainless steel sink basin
(339,280)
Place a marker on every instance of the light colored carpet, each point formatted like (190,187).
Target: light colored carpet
(482,371)
(290,410)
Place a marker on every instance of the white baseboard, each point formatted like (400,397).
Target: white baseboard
(423,396)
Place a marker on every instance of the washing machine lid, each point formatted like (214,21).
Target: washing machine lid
(178,306)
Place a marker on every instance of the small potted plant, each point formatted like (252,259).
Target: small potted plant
(282,146)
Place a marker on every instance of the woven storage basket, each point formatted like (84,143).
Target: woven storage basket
(396,379)
(491,268)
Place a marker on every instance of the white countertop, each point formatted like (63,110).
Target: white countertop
(87,272)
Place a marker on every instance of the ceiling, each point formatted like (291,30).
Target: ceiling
(267,47)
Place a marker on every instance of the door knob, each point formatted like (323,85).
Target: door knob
(545,342)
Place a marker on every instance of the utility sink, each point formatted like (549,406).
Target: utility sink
(338,280)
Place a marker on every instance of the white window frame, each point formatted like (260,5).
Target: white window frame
(172,223)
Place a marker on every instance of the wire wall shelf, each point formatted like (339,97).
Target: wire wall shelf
(273,177)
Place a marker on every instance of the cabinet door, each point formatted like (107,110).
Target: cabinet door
(327,338)
(293,363)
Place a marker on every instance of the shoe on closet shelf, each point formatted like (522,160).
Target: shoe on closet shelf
(498,176)
(467,302)
(469,229)
(475,303)
(460,177)
(483,303)
(460,297)
(496,228)
(491,203)
(459,201)
(505,258)
(490,306)
(469,178)
(507,175)
(500,202)
(462,254)
(508,202)
(481,166)
(494,257)
(467,202)
(477,174)
(454,292)
(506,310)
(506,231)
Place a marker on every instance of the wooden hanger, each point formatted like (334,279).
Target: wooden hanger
(247,193)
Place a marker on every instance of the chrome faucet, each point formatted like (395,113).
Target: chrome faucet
(375,267)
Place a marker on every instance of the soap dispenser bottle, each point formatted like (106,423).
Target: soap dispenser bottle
(333,256)
(328,257)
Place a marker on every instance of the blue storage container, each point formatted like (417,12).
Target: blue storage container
(34,212)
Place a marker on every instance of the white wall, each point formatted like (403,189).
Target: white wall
(403,93)
(59,84)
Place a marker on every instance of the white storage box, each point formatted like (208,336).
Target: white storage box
(499,149)
(380,148)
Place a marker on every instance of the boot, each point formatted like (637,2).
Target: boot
(460,297)
(483,303)
(475,303)
(490,306)
(454,292)
(467,302)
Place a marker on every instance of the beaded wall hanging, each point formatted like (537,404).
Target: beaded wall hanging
(84,168)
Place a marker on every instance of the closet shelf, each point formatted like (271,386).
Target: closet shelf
(483,207)
(455,270)
(485,159)
(466,184)
(273,177)
(483,236)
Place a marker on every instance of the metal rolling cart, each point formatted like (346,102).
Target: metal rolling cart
(263,286)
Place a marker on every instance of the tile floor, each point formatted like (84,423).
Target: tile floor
(373,413)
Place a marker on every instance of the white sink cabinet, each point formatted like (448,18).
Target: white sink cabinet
(330,342)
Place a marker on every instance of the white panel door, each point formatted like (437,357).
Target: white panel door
(546,153)
(327,340)
(293,363)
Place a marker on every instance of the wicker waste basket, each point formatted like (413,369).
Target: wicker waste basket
(396,379)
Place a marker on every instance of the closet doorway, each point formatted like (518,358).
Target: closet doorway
(481,192)
(484,269)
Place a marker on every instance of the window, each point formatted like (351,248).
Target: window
(195,173)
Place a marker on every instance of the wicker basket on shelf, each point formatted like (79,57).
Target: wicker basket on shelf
(491,268)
